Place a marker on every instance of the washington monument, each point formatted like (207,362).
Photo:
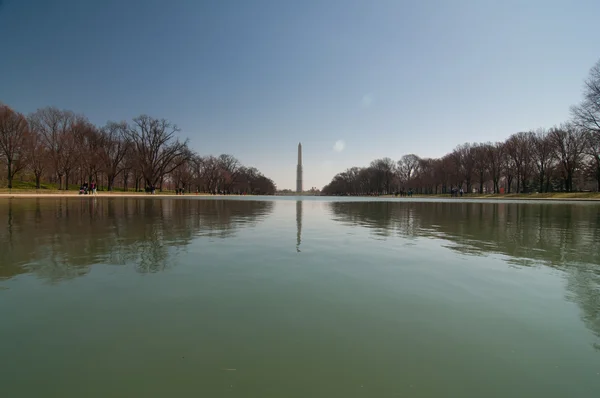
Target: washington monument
(299,170)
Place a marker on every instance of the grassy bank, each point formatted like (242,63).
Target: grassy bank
(75,192)
(526,196)
(29,188)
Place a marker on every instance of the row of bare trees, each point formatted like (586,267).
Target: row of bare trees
(563,158)
(59,146)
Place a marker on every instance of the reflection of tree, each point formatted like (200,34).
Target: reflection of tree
(557,234)
(584,284)
(298,224)
(61,238)
(566,236)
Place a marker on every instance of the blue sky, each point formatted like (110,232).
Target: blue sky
(252,78)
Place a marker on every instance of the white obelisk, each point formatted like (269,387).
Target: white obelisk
(299,170)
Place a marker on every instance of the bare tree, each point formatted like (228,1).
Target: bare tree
(426,176)
(229,171)
(464,165)
(210,172)
(407,167)
(83,151)
(183,174)
(568,143)
(197,167)
(156,147)
(113,150)
(518,149)
(346,182)
(78,148)
(542,155)
(593,151)
(384,170)
(37,156)
(587,114)
(13,135)
(251,174)
(54,127)
(251,180)
(481,164)
(264,185)
(446,172)
(494,157)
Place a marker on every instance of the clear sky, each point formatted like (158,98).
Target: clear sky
(352,80)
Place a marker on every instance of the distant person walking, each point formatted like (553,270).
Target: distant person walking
(461,192)
(93,186)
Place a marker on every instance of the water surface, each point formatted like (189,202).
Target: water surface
(287,298)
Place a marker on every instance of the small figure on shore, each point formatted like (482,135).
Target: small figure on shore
(93,187)
(461,192)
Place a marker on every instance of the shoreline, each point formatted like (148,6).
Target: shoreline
(564,197)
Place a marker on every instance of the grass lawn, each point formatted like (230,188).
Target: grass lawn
(549,195)
(27,187)
(47,188)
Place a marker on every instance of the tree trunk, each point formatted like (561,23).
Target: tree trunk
(66,181)
(480,183)
(111,181)
(597,159)
(9,174)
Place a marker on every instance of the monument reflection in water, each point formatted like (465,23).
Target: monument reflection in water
(298,225)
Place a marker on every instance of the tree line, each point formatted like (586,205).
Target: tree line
(563,158)
(62,147)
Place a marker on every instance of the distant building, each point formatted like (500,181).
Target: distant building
(299,170)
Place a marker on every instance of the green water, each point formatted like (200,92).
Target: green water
(190,297)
